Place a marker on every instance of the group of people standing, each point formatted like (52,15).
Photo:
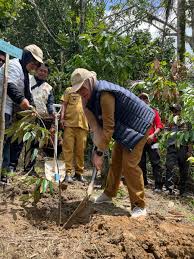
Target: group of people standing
(176,155)
(19,97)
(110,111)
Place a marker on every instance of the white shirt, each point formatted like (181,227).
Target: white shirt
(15,76)
(40,95)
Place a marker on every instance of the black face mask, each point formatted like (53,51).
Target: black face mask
(26,58)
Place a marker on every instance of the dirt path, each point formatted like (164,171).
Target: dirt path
(103,231)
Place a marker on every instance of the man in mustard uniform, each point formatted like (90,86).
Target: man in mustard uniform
(75,135)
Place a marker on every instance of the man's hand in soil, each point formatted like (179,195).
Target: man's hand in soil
(97,161)
(25,105)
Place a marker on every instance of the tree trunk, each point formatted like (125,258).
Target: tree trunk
(192,23)
(181,21)
(168,10)
(2,110)
(82,15)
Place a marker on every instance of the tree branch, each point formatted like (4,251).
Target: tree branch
(117,13)
(152,17)
(32,2)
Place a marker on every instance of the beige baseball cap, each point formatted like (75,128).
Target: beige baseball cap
(36,52)
(78,77)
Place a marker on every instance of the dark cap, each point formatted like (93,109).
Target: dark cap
(175,107)
(144,96)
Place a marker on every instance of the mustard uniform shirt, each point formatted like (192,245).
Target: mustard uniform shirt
(74,114)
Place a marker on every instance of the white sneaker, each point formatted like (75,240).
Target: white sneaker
(157,190)
(138,212)
(103,198)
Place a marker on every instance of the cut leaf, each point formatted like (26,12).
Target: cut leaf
(26,136)
(34,154)
(44,185)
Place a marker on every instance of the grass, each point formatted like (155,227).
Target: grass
(121,193)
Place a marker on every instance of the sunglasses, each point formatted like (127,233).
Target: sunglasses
(2,60)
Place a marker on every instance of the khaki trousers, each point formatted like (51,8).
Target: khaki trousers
(127,164)
(74,143)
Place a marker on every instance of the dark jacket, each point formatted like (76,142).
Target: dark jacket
(132,116)
(12,90)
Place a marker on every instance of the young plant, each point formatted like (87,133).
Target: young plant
(28,130)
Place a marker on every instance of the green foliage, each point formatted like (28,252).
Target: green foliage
(42,185)
(191,159)
(9,12)
(71,38)
(121,193)
(115,58)
(28,129)
(164,89)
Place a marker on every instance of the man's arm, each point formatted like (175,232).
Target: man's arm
(103,137)
(157,125)
(50,103)
(13,92)
(65,100)
(63,110)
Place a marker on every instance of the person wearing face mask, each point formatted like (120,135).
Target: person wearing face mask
(114,112)
(43,97)
(42,92)
(18,93)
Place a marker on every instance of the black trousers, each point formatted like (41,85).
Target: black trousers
(16,149)
(6,145)
(177,157)
(154,158)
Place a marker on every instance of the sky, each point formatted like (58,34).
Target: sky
(153,30)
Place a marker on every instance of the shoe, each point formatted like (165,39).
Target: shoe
(12,169)
(168,191)
(157,190)
(33,173)
(68,179)
(79,177)
(103,198)
(4,179)
(30,172)
(123,180)
(146,184)
(138,212)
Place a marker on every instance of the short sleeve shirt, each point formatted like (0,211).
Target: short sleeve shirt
(74,115)
(156,124)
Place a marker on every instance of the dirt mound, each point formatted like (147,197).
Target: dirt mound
(102,231)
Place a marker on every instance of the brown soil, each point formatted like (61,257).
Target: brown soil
(102,231)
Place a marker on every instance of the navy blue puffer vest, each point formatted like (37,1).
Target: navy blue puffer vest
(132,116)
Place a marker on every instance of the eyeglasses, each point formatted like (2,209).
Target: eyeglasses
(2,60)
